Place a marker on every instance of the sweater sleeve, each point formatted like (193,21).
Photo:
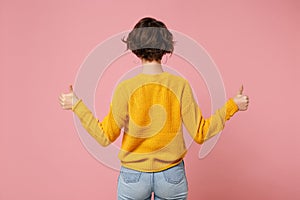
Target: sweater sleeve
(104,132)
(202,129)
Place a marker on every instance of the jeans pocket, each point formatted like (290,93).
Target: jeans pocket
(130,175)
(174,175)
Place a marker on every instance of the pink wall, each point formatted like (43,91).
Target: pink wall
(43,44)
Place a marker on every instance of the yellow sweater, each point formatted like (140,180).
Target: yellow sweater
(152,110)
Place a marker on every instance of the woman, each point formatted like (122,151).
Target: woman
(152,107)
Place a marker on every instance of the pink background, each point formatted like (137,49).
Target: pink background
(43,44)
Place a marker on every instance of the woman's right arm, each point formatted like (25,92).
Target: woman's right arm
(104,132)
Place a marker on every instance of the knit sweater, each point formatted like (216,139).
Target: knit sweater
(152,110)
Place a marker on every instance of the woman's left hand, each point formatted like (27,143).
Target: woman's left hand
(241,100)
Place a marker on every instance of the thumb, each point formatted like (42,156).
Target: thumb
(241,90)
(71,88)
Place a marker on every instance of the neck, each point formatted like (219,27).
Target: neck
(152,67)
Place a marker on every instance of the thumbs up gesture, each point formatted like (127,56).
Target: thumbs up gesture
(67,100)
(241,100)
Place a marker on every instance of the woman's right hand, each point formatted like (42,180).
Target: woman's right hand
(67,100)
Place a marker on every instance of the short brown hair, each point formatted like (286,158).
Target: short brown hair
(150,39)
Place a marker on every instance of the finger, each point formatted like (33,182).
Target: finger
(66,107)
(71,88)
(247,99)
(63,95)
(241,90)
(61,98)
(62,104)
(243,97)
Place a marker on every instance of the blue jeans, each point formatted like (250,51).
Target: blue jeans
(168,184)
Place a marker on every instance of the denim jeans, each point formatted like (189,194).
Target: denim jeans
(167,184)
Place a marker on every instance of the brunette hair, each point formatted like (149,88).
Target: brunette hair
(150,39)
